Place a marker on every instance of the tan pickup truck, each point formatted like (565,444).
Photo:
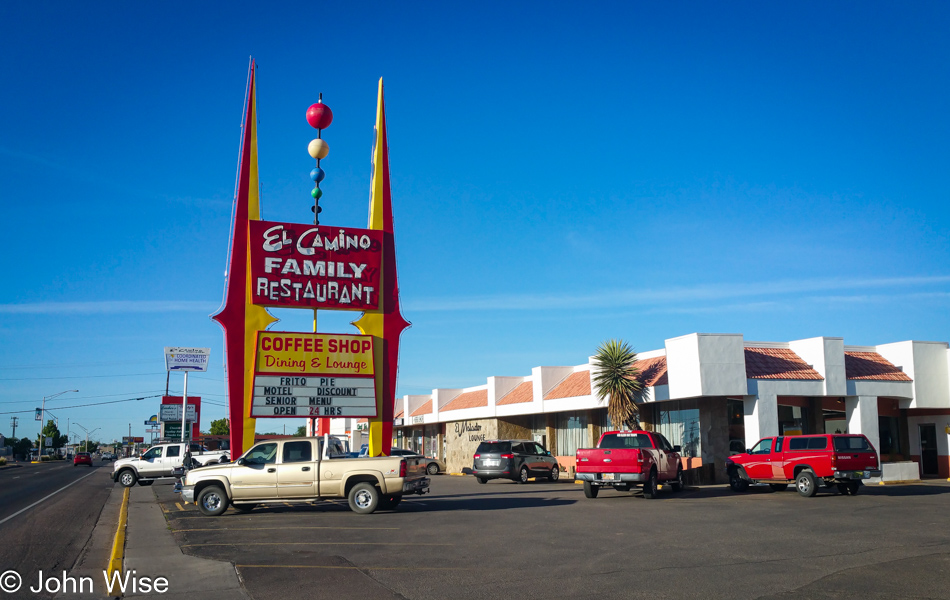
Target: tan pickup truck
(304,470)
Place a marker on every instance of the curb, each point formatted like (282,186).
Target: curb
(901,482)
(118,544)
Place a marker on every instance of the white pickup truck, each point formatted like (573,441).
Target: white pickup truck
(162,461)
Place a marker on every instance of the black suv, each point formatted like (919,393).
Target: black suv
(517,460)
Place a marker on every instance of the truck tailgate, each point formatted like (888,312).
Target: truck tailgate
(616,460)
(854,454)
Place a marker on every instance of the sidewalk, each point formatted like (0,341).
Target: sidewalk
(151,551)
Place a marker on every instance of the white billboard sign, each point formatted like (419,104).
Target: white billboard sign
(186,359)
(316,396)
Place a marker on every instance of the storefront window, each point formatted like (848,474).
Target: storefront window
(889,431)
(571,432)
(681,427)
(736,410)
(793,420)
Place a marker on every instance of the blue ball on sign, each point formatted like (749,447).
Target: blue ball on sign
(317,175)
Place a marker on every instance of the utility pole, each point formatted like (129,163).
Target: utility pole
(43,417)
(13,422)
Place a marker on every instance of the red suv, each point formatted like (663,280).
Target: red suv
(836,460)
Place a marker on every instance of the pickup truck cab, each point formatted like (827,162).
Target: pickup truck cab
(624,459)
(835,460)
(163,461)
(304,470)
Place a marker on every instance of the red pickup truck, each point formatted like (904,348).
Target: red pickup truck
(837,460)
(624,459)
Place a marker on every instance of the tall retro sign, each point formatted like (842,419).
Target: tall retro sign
(292,265)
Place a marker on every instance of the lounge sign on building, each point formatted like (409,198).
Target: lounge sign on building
(313,375)
(309,266)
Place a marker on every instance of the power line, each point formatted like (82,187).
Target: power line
(14,412)
(76,397)
(78,377)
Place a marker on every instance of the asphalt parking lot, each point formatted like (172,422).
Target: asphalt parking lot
(546,540)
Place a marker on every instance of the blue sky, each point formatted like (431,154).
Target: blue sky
(561,175)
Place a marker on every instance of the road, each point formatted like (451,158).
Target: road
(546,540)
(50,534)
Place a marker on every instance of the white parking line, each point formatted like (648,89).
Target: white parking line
(46,498)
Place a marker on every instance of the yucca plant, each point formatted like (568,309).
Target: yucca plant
(616,378)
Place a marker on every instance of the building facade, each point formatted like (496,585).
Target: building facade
(712,394)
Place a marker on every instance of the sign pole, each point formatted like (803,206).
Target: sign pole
(184,408)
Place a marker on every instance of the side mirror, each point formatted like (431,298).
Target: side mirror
(676,448)
(547,453)
(241,461)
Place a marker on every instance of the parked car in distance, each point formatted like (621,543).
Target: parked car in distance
(626,459)
(434,466)
(518,460)
(839,461)
(82,458)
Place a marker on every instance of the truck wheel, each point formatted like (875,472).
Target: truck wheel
(390,501)
(432,469)
(481,480)
(212,501)
(523,475)
(590,491)
(806,484)
(127,478)
(778,487)
(853,487)
(363,498)
(146,483)
(650,487)
(678,484)
(555,473)
(737,483)
(622,487)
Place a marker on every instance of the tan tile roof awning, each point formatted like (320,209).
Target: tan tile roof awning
(871,366)
(524,392)
(425,409)
(778,363)
(653,371)
(575,384)
(467,400)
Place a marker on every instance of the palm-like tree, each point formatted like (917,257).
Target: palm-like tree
(616,378)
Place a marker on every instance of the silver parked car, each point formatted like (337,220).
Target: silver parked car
(518,460)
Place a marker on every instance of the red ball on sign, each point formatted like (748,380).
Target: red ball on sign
(319,115)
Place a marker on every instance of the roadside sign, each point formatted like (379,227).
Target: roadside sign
(49,442)
(39,414)
(172,412)
(186,359)
(313,375)
(173,431)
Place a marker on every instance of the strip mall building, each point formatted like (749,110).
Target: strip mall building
(713,394)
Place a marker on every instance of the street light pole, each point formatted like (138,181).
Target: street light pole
(87,434)
(43,417)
